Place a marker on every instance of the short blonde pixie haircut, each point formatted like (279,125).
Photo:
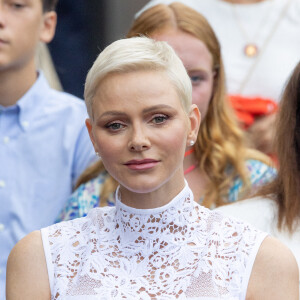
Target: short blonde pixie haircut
(138,54)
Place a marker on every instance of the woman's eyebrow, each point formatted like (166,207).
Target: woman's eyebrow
(156,107)
(112,113)
(146,110)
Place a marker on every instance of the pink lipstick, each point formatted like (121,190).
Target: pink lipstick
(3,42)
(143,164)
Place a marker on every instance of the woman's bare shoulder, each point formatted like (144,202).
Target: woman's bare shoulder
(27,276)
(275,273)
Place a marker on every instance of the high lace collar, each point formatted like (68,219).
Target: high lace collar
(177,200)
(153,227)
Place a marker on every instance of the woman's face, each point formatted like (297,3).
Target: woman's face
(141,130)
(198,62)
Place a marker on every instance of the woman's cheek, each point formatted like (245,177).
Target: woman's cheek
(177,140)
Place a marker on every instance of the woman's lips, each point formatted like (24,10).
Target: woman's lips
(3,41)
(143,164)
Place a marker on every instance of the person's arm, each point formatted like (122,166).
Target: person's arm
(262,133)
(27,276)
(275,273)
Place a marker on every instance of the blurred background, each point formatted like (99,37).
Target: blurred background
(84,28)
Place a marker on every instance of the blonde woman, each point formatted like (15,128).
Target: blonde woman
(218,167)
(157,243)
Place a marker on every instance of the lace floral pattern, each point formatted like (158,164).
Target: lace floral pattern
(178,251)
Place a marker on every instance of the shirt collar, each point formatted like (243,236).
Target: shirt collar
(30,101)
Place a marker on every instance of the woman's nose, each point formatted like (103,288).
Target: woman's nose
(2,16)
(139,140)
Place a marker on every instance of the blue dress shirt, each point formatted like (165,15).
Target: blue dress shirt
(44,146)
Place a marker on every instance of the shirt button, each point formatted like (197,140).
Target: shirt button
(6,139)
(1,227)
(2,184)
(25,124)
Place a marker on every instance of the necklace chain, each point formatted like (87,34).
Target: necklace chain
(264,46)
(251,48)
(192,167)
(188,152)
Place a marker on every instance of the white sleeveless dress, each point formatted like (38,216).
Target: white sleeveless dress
(179,251)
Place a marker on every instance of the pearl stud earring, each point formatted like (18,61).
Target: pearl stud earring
(97,153)
(192,143)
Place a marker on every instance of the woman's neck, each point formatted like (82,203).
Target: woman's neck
(244,1)
(156,198)
(197,178)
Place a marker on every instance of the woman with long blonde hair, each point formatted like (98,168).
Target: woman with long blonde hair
(218,167)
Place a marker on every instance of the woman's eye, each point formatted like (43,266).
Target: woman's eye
(114,126)
(17,5)
(159,119)
(196,79)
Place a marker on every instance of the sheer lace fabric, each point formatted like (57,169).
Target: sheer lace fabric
(178,251)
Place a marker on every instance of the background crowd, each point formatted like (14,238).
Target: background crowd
(242,57)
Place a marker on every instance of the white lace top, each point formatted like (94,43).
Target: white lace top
(179,251)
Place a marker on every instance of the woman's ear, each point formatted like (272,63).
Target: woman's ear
(195,120)
(89,127)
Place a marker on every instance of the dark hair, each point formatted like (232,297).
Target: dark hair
(285,189)
(49,5)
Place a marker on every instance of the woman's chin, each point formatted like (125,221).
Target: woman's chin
(143,185)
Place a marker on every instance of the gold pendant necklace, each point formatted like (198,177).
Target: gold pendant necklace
(264,45)
(251,49)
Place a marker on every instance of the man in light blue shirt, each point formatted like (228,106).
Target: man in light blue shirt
(44,144)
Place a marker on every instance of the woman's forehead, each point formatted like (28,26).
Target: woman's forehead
(143,88)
